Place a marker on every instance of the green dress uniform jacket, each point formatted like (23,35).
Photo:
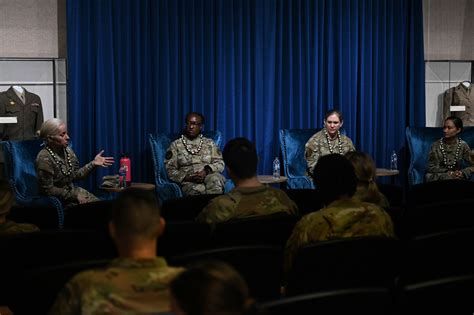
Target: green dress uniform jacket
(126,286)
(29,115)
(460,95)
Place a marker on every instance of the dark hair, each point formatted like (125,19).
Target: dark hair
(136,212)
(364,167)
(456,121)
(334,177)
(194,114)
(240,156)
(333,112)
(211,287)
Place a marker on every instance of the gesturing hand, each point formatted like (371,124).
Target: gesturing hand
(104,161)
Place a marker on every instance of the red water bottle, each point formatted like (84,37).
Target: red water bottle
(126,164)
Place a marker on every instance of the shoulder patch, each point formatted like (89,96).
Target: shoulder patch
(169,154)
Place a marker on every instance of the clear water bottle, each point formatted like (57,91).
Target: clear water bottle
(394,161)
(122,176)
(276,168)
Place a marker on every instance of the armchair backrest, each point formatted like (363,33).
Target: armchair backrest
(419,141)
(292,142)
(20,157)
(159,144)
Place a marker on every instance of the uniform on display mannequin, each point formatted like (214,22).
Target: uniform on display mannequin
(25,113)
(459,101)
(28,110)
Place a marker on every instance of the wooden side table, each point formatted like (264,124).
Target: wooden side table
(145,186)
(269,179)
(386,172)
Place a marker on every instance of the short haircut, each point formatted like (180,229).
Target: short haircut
(194,114)
(240,156)
(456,121)
(333,112)
(136,213)
(50,127)
(334,177)
(210,287)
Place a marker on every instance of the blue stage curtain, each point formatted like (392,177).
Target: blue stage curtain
(250,66)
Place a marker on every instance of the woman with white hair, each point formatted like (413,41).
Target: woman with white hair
(57,165)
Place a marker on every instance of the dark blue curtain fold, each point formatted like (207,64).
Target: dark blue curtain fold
(250,66)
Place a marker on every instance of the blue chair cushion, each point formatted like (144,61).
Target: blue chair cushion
(20,157)
(419,141)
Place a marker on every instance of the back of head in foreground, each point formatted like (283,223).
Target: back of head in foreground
(211,287)
(364,167)
(136,221)
(334,178)
(240,157)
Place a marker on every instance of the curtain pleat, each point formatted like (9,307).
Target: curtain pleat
(250,66)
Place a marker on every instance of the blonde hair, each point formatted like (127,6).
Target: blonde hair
(50,128)
(364,167)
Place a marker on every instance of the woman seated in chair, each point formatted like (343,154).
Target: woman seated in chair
(57,165)
(327,141)
(367,190)
(450,157)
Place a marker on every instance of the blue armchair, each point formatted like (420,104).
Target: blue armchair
(292,142)
(419,141)
(20,170)
(159,143)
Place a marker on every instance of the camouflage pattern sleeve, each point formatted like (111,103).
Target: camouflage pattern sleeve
(219,209)
(79,172)
(349,147)
(171,164)
(468,159)
(312,153)
(68,299)
(286,201)
(217,162)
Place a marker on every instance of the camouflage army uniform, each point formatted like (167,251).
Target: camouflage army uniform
(126,286)
(52,182)
(246,202)
(10,227)
(317,146)
(340,219)
(437,170)
(180,163)
(361,194)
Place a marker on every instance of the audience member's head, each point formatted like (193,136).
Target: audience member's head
(136,217)
(334,178)
(7,198)
(210,288)
(364,167)
(240,157)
